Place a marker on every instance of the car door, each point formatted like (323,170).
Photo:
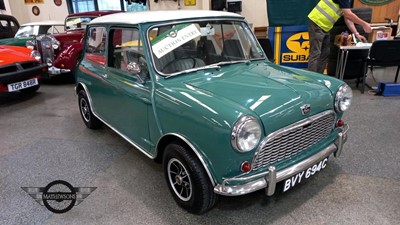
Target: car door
(94,64)
(131,98)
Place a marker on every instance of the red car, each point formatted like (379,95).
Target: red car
(20,69)
(62,52)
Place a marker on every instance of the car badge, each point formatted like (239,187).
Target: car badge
(173,33)
(305,109)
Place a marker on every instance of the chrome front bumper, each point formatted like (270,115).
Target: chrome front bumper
(271,177)
(55,71)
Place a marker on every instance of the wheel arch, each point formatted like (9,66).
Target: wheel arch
(68,56)
(172,137)
(79,87)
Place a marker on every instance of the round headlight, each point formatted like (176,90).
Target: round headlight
(343,98)
(36,55)
(30,44)
(56,44)
(246,134)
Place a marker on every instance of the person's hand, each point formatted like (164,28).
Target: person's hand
(360,37)
(367,27)
(227,35)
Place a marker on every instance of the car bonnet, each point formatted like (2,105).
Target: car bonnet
(269,91)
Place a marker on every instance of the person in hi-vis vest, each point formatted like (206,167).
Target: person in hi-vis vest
(321,20)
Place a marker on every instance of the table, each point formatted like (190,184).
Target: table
(343,54)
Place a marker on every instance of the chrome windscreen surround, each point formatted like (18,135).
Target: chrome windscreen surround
(293,139)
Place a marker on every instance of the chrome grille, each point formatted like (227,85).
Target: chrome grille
(293,139)
(45,48)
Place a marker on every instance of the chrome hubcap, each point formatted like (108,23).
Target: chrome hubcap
(85,110)
(179,179)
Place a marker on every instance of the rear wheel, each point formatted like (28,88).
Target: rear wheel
(89,119)
(187,180)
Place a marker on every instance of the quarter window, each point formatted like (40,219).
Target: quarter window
(4,25)
(96,44)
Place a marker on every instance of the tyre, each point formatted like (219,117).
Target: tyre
(30,90)
(187,180)
(89,119)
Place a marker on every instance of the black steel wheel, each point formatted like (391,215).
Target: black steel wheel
(89,119)
(187,180)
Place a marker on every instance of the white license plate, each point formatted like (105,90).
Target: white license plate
(22,85)
(304,175)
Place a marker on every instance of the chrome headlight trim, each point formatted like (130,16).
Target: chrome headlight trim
(343,98)
(246,134)
(35,54)
(56,44)
(30,44)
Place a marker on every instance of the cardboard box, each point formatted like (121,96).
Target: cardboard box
(380,33)
(261,32)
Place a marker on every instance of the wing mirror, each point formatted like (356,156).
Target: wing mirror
(135,69)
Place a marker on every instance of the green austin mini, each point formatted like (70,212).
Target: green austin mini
(193,90)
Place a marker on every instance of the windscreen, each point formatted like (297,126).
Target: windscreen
(26,31)
(77,22)
(180,47)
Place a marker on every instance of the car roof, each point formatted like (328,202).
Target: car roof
(47,22)
(158,16)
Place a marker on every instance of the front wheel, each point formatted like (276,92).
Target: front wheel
(89,119)
(187,180)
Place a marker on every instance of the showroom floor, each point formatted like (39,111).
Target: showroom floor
(42,139)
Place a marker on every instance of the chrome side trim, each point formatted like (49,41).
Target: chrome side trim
(271,177)
(111,127)
(202,161)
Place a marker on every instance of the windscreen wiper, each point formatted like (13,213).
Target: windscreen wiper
(212,66)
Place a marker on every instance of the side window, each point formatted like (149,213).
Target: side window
(14,26)
(127,51)
(4,26)
(55,29)
(96,45)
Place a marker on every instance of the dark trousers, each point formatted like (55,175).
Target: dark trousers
(319,48)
